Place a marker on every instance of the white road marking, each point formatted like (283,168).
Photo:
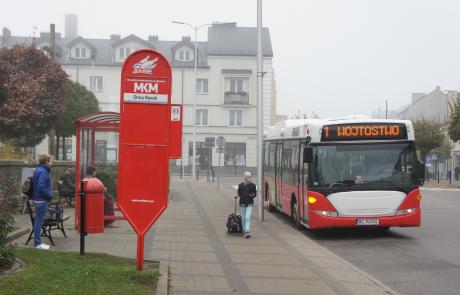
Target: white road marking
(437,189)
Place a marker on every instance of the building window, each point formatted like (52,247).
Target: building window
(124,52)
(236,118)
(185,55)
(95,83)
(236,85)
(46,50)
(80,52)
(201,117)
(202,86)
(235,154)
(67,148)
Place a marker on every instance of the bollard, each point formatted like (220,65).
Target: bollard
(82,217)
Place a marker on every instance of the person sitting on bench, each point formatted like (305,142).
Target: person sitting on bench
(108,199)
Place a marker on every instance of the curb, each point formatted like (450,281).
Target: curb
(17,234)
(162,286)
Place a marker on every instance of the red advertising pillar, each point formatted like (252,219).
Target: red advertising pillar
(144,136)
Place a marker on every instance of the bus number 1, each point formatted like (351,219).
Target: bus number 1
(326,131)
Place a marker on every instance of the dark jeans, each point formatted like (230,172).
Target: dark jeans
(40,212)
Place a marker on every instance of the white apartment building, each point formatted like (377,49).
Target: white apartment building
(434,106)
(226,84)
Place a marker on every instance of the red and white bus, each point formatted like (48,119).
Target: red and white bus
(343,173)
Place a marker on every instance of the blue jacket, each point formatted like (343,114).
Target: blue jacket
(41,190)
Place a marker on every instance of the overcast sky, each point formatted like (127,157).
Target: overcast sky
(333,57)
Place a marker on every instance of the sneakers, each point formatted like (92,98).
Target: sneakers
(43,247)
(112,225)
(247,235)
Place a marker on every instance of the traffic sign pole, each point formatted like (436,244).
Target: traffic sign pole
(140,252)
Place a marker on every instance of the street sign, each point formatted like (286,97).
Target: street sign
(175,132)
(220,142)
(144,136)
(209,142)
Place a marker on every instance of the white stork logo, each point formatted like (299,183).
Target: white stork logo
(145,66)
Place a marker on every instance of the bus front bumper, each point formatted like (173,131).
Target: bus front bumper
(408,220)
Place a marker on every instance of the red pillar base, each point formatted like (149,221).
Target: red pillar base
(140,253)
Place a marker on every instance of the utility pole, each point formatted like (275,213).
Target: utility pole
(386,109)
(195,28)
(52,134)
(260,111)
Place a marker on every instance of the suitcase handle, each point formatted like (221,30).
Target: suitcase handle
(236,198)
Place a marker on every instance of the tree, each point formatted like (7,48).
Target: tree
(80,101)
(31,94)
(428,136)
(454,123)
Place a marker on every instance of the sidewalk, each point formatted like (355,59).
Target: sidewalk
(433,183)
(191,236)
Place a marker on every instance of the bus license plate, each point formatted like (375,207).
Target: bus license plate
(367,222)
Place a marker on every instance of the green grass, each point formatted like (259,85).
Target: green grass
(49,272)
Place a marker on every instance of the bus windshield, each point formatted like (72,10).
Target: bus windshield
(368,166)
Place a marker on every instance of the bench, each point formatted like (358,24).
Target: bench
(52,221)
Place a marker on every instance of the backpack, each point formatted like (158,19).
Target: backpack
(27,187)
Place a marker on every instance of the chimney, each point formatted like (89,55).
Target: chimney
(153,38)
(6,36)
(71,26)
(115,37)
(417,96)
(186,39)
(6,33)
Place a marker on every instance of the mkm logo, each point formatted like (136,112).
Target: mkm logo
(145,87)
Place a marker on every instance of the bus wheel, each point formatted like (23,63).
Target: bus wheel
(294,213)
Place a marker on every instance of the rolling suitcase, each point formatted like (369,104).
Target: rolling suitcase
(234,224)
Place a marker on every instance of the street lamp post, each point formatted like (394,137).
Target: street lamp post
(195,57)
(260,112)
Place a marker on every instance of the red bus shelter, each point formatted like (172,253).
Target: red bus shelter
(87,128)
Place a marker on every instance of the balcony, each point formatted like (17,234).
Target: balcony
(236,98)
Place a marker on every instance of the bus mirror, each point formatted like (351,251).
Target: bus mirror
(308,154)
(420,170)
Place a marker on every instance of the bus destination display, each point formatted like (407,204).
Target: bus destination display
(365,131)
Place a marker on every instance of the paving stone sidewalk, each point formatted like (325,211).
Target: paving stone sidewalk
(191,236)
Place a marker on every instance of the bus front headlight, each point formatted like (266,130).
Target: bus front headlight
(326,213)
(405,211)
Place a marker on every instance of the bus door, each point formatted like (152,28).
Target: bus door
(303,175)
(278,172)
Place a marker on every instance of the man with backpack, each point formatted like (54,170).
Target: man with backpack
(247,192)
(41,196)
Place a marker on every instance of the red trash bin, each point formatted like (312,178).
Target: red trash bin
(94,204)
